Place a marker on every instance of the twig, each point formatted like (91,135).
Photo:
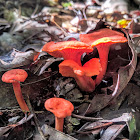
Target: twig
(38,80)
(13,109)
(80,101)
(86,118)
(35,118)
(36,8)
(94,128)
(52,20)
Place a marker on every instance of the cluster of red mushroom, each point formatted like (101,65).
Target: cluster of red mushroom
(72,51)
(60,107)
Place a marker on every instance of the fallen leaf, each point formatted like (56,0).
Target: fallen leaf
(124,118)
(134,26)
(17,59)
(97,125)
(18,130)
(112,132)
(124,74)
(53,134)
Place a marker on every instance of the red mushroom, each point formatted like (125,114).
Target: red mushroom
(72,50)
(61,108)
(15,76)
(82,74)
(102,40)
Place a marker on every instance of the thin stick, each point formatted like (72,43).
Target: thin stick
(80,101)
(86,118)
(35,118)
(52,20)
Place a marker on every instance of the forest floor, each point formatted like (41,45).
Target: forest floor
(109,112)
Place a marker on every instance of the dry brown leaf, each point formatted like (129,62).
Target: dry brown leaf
(112,132)
(18,59)
(54,134)
(124,74)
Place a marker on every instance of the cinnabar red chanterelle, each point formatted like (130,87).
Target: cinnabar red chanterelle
(102,39)
(15,76)
(61,108)
(72,51)
(81,74)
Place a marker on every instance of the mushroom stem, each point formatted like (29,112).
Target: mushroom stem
(103,51)
(19,97)
(85,83)
(59,122)
(75,57)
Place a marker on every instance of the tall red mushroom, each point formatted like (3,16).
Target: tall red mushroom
(69,50)
(15,76)
(61,108)
(102,39)
(72,51)
(82,74)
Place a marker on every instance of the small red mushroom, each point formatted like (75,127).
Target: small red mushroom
(82,74)
(61,108)
(72,50)
(15,76)
(102,40)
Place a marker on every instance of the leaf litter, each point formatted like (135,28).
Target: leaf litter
(118,90)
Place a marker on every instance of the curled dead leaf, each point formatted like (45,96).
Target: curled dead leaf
(124,75)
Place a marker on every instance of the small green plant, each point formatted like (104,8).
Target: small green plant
(66,4)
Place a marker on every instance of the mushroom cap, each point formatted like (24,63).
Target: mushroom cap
(70,68)
(108,35)
(66,49)
(60,107)
(109,40)
(14,75)
(92,67)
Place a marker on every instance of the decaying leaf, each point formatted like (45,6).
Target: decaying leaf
(53,134)
(112,132)
(124,118)
(17,59)
(134,26)
(18,130)
(136,39)
(124,74)
(110,128)
(97,125)
(47,63)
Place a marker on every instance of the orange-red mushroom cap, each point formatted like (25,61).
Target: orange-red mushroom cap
(14,75)
(112,39)
(113,35)
(103,39)
(70,68)
(60,107)
(67,49)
